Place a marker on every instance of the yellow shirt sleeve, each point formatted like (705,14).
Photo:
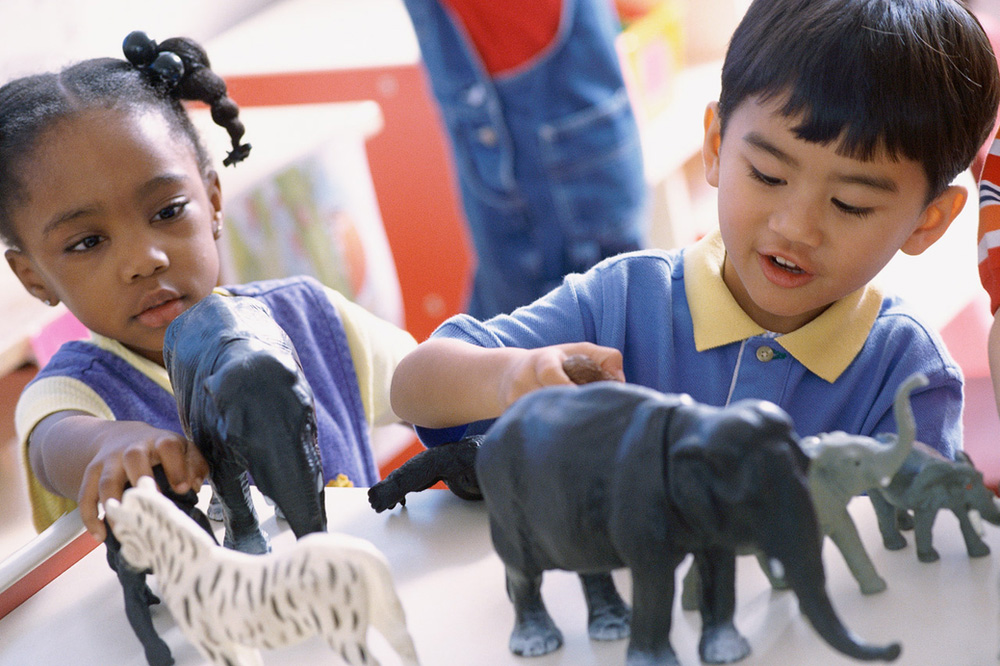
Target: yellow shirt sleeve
(376,348)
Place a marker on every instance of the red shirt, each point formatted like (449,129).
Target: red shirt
(507,33)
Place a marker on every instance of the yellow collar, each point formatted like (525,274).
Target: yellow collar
(826,345)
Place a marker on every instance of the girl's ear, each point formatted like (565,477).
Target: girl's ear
(936,218)
(710,146)
(25,271)
(214,190)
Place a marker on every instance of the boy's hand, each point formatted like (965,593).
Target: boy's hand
(128,450)
(544,366)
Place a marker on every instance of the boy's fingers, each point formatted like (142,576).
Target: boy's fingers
(87,502)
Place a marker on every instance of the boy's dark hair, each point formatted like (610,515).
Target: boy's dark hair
(915,78)
(31,105)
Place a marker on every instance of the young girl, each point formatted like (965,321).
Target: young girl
(109,204)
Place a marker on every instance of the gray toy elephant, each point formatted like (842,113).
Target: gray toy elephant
(611,475)
(842,466)
(926,483)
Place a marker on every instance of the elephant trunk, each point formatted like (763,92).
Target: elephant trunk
(816,606)
(906,426)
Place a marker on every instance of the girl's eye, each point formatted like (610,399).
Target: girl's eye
(171,211)
(85,244)
(856,211)
(756,174)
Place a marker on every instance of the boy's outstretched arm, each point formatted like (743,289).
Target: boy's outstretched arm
(446,382)
(75,454)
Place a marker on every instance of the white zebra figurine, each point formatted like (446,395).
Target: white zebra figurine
(229,603)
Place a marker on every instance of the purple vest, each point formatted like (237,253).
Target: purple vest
(302,309)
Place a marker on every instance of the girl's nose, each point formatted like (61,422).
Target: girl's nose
(143,259)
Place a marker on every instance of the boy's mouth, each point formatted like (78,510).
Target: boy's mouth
(786,265)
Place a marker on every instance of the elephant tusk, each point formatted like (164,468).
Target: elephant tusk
(977,521)
(884,481)
(777,569)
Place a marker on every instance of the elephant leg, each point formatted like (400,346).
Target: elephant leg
(243,531)
(923,523)
(534,631)
(886,515)
(652,606)
(720,641)
(974,543)
(608,616)
(844,534)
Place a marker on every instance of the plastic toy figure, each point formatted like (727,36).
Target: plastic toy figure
(138,596)
(333,585)
(925,484)
(245,403)
(842,466)
(611,475)
(454,463)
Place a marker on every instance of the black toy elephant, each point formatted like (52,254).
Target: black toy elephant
(138,596)
(245,402)
(611,475)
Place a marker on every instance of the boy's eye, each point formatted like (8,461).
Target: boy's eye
(757,174)
(85,244)
(857,211)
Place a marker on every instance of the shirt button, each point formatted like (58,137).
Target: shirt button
(475,95)
(487,136)
(764,354)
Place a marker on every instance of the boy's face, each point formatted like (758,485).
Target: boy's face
(118,224)
(804,226)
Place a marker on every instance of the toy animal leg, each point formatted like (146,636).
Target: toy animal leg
(608,617)
(243,531)
(138,598)
(886,515)
(974,543)
(534,631)
(845,536)
(923,523)
(720,641)
(652,607)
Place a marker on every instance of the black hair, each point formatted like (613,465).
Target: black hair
(31,105)
(914,79)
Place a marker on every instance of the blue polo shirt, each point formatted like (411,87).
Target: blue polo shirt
(680,331)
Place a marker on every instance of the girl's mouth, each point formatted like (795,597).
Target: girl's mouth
(161,315)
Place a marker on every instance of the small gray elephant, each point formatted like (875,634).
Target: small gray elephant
(842,466)
(926,483)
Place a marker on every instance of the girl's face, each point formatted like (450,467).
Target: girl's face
(118,224)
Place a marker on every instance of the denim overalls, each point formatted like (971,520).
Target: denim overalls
(548,156)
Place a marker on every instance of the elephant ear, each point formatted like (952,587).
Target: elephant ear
(694,483)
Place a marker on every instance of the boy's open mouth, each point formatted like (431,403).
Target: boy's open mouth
(786,265)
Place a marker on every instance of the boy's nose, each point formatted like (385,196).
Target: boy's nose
(797,223)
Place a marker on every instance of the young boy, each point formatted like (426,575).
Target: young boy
(839,128)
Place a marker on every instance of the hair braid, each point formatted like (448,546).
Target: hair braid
(199,82)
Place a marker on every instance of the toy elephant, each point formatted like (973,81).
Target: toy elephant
(926,483)
(244,401)
(842,466)
(610,475)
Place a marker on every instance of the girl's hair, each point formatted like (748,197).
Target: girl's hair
(914,78)
(156,76)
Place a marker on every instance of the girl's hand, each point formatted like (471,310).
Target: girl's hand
(128,450)
(534,368)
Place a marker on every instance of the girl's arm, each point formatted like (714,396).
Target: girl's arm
(446,382)
(75,454)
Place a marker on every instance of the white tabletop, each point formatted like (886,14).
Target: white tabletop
(451,584)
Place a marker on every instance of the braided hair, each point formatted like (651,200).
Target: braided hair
(157,76)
